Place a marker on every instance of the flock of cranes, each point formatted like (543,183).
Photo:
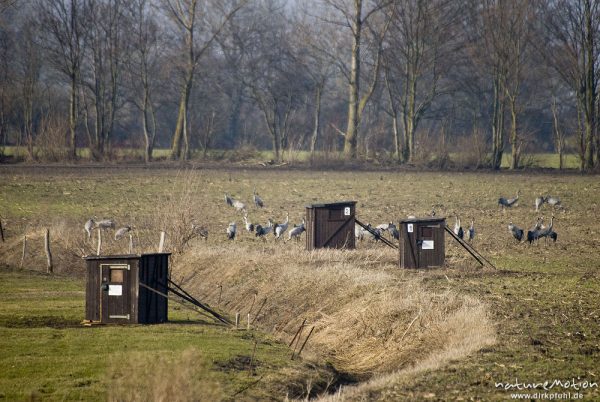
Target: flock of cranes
(538,230)
(279,230)
(261,231)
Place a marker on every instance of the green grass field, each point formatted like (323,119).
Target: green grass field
(46,354)
(542,302)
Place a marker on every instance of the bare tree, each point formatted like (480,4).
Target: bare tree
(421,35)
(198,22)
(65,36)
(357,16)
(104,64)
(30,61)
(144,68)
(571,31)
(310,42)
(516,32)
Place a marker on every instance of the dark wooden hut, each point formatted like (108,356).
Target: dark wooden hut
(422,242)
(126,289)
(330,225)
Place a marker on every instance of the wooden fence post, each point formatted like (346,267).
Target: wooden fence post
(237,320)
(1,231)
(48,253)
(24,250)
(130,243)
(161,245)
(99,241)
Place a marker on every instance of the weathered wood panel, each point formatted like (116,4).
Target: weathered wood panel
(330,225)
(422,242)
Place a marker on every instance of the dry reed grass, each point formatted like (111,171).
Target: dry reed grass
(173,378)
(369,317)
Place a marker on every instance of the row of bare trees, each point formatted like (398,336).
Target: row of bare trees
(399,79)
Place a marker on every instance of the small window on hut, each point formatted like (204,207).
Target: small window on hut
(427,232)
(116,276)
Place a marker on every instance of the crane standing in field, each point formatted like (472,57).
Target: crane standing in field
(238,205)
(257,200)
(510,202)
(231,230)
(89,226)
(122,232)
(515,231)
(471,231)
(249,225)
(554,201)
(262,231)
(458,230)
(281,227)
(296,231)
(539,201)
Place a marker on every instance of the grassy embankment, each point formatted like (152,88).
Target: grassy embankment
(422,333)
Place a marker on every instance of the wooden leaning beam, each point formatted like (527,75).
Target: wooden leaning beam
(185,296)
(474,253)
(377,236)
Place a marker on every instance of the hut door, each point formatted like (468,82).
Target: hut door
(114,292)
(427,246)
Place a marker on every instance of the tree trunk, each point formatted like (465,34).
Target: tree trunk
(317,121)
(581,134)
(176,145)
(497,124)
(514,139)
(558,137)
(590,87)
(73,117)
(147,141)
(350,140)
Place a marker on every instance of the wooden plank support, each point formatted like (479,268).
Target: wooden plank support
(370,230)
(200,305)
(175,300)
(474,253)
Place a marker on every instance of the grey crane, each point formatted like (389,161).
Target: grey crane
(515,231)
(458,230)
(228,200)
(281,227)
(257,200)
(249,225)
(539,224)
(122,232)
(383,226)
(509,202)
(539,201)
(471,231)
(545,232)
(393,230)
(296,231)
(262,231)
(373,233)
(231,229)
(105,224)
(359,232)
(554,201)
(89,226)
(238,205)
